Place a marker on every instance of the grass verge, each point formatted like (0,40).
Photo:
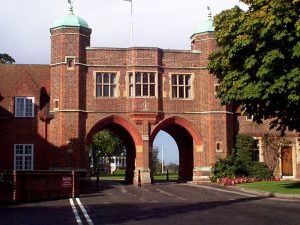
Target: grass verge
(161,177)
(281,187)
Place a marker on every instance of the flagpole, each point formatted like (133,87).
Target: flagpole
(131,13)
(131,18)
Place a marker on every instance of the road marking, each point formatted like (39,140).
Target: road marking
(222,190)
(77,217)
(169,194)
(123,190)
(272,198)
(86,215)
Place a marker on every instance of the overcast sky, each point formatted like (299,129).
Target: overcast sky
(166,24)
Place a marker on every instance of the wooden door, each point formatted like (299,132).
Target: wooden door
(286,161)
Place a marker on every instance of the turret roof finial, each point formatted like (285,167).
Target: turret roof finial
(71,6)
(209,13)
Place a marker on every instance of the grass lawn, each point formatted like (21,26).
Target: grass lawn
(282,187)
(163,177)
(121,176)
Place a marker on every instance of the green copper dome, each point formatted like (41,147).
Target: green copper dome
(70,21)
(207,26)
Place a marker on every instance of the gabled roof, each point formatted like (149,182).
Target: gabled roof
(21,80)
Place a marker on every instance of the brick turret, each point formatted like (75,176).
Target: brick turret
(69,38)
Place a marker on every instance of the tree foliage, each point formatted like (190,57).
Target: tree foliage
(105,144)
(6,59)
(155,165)
(258,60)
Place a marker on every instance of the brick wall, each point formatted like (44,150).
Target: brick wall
(22,186)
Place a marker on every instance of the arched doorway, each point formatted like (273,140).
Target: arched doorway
(187,138)
(287,161)
(128,135)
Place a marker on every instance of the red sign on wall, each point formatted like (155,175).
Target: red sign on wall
(66,181)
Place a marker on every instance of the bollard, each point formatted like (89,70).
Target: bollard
(167,175)
(139,179)
(97,174)
(73,184)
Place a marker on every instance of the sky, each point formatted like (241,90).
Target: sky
(167,24)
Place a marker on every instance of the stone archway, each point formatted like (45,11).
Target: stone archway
(129,136)
(189,143)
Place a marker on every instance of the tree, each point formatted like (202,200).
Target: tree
(272,153)
(172,168)
(6,59)
(105,144)
(155,165)
(258,60)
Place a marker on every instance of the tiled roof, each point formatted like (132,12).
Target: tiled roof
(21,80)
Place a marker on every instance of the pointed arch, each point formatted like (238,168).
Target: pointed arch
(119,121)
(181,122)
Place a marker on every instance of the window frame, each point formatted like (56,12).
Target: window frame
(185,88)
(219,148)
(112,93)
(21,113)
(257,150)
(70,62)
(249,118)
(144,87)
(23,156)
(216,87)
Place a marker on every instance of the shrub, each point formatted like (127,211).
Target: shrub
(240,164)
(260,170)
(244,148)
(223,168)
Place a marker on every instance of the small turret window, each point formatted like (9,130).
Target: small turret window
(70,63)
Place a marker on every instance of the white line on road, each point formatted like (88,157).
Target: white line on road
(77,217)
(86,215)
(169,194)
(272,198)
(222,190)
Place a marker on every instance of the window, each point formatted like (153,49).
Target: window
(256,150)
(142,84)
(23,156)
(24,106)
(181,86)
(70,63)
(106,85)
(219,146)
(249,117)
(56,104)
(216,87)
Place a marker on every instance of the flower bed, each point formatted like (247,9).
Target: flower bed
(226,181)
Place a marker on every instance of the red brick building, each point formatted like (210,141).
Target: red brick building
(49,113)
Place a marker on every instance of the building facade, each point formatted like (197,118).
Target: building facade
(49,113)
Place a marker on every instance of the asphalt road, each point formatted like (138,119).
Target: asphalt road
(157,204)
